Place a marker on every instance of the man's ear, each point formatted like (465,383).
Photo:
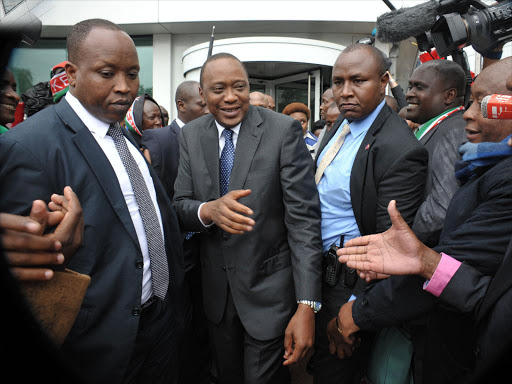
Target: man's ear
(384,80)
(180,104)
(450,95)
(71,72)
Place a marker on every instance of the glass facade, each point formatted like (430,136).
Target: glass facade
(32,65)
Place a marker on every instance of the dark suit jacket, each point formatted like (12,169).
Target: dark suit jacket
(477,231)
(54,149)
(278,262)
(442,143)
(164,147)
(389,165)
(489,299)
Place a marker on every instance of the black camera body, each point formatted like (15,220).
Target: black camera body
(468,22)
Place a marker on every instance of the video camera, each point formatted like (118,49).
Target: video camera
(468,22)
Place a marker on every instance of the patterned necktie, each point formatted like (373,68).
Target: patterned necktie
(156,247)
(331,153)
(227,158)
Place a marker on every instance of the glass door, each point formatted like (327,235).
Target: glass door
(302,88)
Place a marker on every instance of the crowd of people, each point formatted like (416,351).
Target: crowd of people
(234,242)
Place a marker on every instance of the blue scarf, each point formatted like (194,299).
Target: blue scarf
(477,157)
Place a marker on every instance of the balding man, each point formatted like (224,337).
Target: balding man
(128,326)
(258,99)
(162,149)
(271,103)
(366,159)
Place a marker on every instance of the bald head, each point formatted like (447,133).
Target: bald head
(258,99)
(189,103)
(271,103)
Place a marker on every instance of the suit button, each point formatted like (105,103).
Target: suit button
(223,267)
(139,264)
(477,352)
(364,303)
(136,311)
(225,238)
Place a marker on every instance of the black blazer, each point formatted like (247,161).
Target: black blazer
(54,149)
(164,147)
(477,231)
(390,165)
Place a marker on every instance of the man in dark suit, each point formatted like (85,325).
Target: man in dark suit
(130,319)
(476,232)
(245,182)
(162,150)
(435,100)
(368,158)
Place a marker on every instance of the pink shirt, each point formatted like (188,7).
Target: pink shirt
(442,275)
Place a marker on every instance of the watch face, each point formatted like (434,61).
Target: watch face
(317,306)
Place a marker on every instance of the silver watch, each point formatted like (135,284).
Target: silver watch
(315,305)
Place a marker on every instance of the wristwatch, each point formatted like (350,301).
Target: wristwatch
(315,305)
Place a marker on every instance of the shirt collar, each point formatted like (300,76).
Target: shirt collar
(94,124)
(179,122)
(358,127)
(220,128)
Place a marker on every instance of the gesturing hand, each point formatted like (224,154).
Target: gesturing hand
(394,252)
(228,214)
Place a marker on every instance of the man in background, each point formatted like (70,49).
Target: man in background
(258,99)
(162,150)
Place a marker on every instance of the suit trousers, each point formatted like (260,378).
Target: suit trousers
(155,354)
(327,368)
(240,358)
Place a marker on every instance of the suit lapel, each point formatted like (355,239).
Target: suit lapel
(99,165)
(210,146)
(246,145)
(428,136)
(360,165)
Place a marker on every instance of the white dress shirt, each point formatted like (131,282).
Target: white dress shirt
(99,130)
(179,122)
(222,141)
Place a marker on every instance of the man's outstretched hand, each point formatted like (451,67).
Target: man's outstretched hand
(394,252)
(228,214)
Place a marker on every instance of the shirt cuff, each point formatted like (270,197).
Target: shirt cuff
(352,298)
(442,275)
(199,216)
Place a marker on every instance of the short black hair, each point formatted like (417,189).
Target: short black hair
(382,60)
(186,90)
(218,56)
(79,33)
(450,73)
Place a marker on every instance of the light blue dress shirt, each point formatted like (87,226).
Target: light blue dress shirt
(334,186)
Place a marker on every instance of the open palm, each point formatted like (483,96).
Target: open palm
(394,252)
